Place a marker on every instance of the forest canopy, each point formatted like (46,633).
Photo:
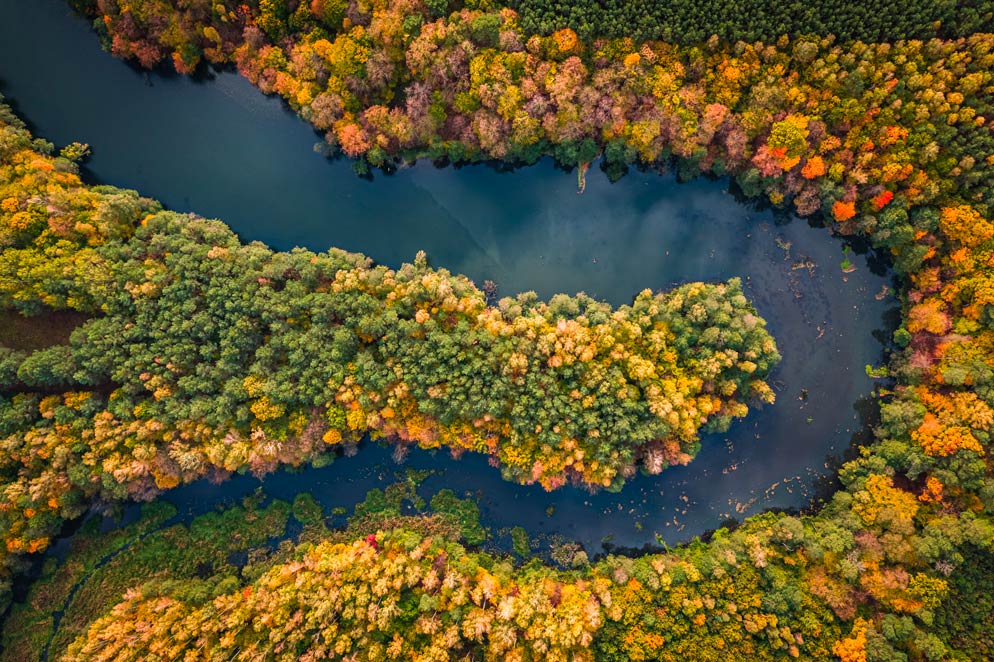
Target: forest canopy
(887,138)
(867,134)
(205,356)
(693,21)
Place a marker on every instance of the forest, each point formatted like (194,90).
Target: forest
(205,356)
(300,353)
(688,22)
(876,136)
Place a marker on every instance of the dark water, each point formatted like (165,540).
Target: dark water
(218,147)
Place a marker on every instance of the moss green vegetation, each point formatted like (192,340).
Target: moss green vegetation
(307,510)
(450,516)
(29,628)
(465,512)
(520,542)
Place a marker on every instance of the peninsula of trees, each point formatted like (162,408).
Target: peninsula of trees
(206,356)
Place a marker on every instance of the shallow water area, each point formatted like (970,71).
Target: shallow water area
(220,148)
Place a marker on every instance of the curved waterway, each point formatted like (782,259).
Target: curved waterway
(219,147)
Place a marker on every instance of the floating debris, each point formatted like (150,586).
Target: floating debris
(581,178)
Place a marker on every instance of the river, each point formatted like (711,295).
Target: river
(217,146)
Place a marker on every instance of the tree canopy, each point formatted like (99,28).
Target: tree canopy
(206,356)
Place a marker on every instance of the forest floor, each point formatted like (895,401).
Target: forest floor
(40,331)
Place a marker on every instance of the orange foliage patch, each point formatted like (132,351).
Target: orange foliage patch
(941,440)
(566,40)
(880,201)
(930,317)
(843,211)
(853,647)
(353,139)
(932,492)
(815,167)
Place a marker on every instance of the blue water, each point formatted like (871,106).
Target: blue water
(218,147)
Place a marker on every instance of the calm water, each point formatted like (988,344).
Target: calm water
(220,148)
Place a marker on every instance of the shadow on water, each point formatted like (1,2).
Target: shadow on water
(216,146)
(828,483)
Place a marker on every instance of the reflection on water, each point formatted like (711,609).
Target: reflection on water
(220,148)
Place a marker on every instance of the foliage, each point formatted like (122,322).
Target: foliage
(463,511)
(693,21)
(207,356)
(389,595)
(851,131)
(102,567)
(888,140)
(29,628)
(965,620)
(520,542)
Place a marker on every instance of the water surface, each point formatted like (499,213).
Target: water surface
(220,148)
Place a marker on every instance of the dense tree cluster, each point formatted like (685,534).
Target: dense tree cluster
(206,356)
(964,616)
(393,595)
(691,22)
(680,21)
(405,591)
(163,554)
(773,589)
